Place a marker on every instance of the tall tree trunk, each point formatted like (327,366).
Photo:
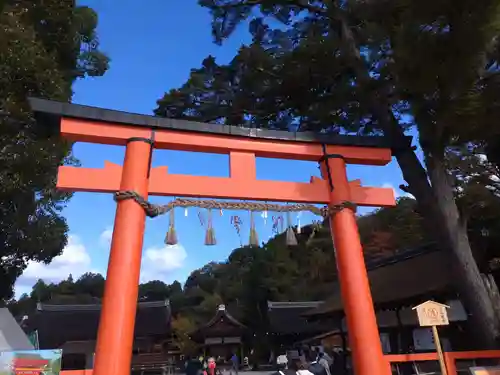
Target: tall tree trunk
(437,205)
(469,282)
(442,217)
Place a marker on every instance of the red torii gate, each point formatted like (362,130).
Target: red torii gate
(141,134)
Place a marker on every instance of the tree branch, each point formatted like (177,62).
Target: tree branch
(302,4)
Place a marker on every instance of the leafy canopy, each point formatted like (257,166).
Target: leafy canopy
(44,47)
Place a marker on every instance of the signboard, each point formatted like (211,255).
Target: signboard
(493,370)
(30,362)
(431,314)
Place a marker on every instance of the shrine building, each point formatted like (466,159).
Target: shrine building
(222,336)
(73,328)
(398,283)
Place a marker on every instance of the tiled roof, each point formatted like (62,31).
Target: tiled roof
(57,324)
(294,304)
(401,279)
(222,324)
(287,318)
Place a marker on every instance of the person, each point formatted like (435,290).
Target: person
(296,367)
(323,362)
(315,367)
(325,355)
(281,364)
(338,363)
(246,363)
(201,358)
(211,366)
(304,355)
(193,366)
(234,364)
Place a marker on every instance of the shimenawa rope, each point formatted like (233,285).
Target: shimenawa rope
(153,210)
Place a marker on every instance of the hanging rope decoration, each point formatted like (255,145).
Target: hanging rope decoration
(154,210)
(200,218)
(277,224)
(210,234)
(291,240)
(264,216)
(236,222)
(171,238)
(316,226)
(254,238)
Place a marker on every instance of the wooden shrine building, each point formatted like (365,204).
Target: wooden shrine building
(222,336)
(73,328)
(399,283)
(288,325)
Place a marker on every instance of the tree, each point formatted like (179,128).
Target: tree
(367,67)
(91,284)
(388,231)
(44,47)
(251,276)
(182,327)
(155,290)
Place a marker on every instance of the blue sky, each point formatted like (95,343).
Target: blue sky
(152,49)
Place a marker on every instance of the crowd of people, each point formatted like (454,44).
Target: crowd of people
(302,362)
(208,366)
(307,362)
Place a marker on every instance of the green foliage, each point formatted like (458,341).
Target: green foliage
(388,231)
(372,68)
(251,276)
(182,327)
(44,47)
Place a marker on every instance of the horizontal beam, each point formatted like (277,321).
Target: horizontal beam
(107,180)
(49,113)
(105,133)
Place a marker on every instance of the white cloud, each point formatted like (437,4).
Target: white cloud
(105,237)
(73,260)
(157,262)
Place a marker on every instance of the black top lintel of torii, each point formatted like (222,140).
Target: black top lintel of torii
(49,113)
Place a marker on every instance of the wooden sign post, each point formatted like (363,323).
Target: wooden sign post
(433,314)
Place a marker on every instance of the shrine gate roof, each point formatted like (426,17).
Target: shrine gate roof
(49,114)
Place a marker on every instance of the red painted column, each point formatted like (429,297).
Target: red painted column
(364,338)
(116,328)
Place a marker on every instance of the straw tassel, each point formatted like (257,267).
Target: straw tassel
(171,237)
(254,238)
(315,229)
(291,239)
(210,234)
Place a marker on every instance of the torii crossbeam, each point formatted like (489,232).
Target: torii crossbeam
(141,134)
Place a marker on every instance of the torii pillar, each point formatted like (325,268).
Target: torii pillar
(362,328)
(140,134)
